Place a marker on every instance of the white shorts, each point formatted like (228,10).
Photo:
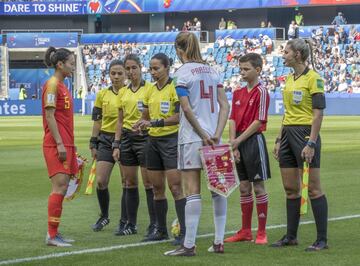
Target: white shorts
(189,156)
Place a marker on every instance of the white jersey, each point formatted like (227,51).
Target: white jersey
(201,82)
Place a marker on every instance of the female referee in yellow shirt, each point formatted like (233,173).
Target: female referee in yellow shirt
(105,114)
(161,116)
(131,150)
(299,141)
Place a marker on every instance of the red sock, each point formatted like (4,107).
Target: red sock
(54,213)
(246,210)
(262,206)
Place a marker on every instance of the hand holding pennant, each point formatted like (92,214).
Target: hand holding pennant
(219,167)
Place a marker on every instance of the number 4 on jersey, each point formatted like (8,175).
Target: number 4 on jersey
(207,95)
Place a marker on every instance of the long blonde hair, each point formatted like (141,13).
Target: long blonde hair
(189,44)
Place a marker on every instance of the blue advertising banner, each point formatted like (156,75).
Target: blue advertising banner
(338,104)
(136,6)
(43,8)
(33,81)
(238,34)
(38,40)
(191,5)
(153,37)
(28,107)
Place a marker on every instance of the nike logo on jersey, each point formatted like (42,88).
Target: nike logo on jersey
(237,102)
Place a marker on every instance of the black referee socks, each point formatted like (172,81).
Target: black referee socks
(293,216)
(180,212)
(132,204)
(123,217)
(150,205)
(161,209)
(103,198)
(320,209)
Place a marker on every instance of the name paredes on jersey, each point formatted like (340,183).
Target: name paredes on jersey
(201,70)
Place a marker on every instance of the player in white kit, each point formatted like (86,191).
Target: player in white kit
(203,115)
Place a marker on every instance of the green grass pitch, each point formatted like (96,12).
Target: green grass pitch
(24,188)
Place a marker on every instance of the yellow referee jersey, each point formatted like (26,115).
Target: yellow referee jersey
(297,97)
(161,103)
(107,100)
(132,103)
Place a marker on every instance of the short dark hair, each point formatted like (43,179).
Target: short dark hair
(116,62)
(253,58)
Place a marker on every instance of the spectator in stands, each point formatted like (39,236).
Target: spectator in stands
(352,33)
(167,28)
(189,26)
(220,41)
(292,30)
(229,57)
(184,28)
(339,19)
(231,25)
(229,41)
(343,86)
(210,59)
(319,33)
(174,29)
(222,24)
(197,24)
(268,44)
(22,92)
(299,18)
(269,25)
(343,35)
(262,24)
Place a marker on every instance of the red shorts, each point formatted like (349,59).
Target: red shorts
(54,166)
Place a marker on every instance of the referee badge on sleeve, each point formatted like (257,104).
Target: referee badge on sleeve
(164,107)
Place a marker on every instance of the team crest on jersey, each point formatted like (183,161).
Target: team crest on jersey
(297,97)
(165,107)
(251,102)
(140,106)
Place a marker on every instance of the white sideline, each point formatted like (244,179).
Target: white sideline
(104,249)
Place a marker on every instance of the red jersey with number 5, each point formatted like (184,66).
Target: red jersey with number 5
(56,95)
(248,106)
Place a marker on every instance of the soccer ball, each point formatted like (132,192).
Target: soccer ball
(175,228)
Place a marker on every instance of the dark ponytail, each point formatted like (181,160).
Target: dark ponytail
(164,59)
(53,56)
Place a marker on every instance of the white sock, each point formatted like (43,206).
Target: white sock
(220,209)
(192,217)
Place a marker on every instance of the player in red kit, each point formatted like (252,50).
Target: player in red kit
(58,142)
(248,120)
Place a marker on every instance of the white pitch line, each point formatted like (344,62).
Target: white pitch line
(104,249)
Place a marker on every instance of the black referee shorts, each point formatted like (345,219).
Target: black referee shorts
(161,152)
(293,141)
(132,148)
(254,159)
(104,151)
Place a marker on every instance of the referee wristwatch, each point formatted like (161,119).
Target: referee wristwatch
(116,144)
(311,144)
